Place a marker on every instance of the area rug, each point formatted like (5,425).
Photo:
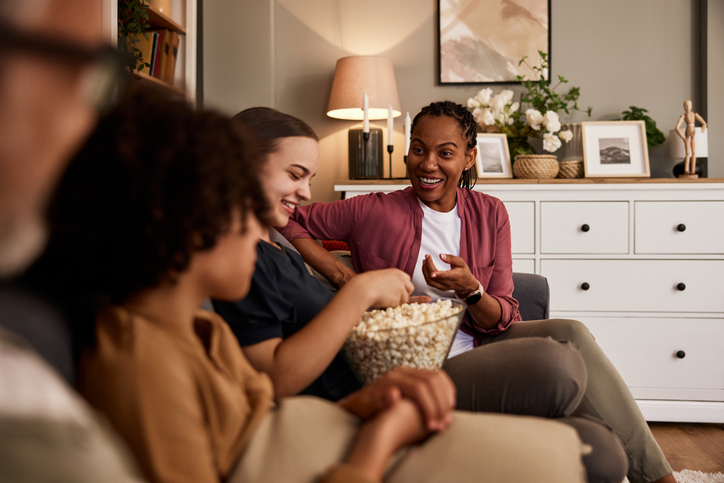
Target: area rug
(691,476)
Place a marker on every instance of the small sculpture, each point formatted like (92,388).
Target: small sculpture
(687,136)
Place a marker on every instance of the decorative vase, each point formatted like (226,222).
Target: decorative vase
(573,149)
(365,157)
(519,145)
(535,166)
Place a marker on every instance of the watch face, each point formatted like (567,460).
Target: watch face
(474,298)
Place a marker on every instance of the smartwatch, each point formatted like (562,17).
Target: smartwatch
(473,297)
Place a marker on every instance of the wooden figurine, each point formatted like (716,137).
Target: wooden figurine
(687,136)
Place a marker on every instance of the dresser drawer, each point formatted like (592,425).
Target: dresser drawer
(523,265)
(645,350)
(674,227)
(636,285)
(584,227)
(522,226)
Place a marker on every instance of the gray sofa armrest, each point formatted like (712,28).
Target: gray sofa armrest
(533,294)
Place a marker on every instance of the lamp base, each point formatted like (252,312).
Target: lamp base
(700,170)
(365,157)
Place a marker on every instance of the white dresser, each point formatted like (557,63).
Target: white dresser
(641,263)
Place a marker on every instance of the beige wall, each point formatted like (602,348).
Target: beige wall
(282,53)
(238,54)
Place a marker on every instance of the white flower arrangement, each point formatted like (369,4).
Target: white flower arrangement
(499,112)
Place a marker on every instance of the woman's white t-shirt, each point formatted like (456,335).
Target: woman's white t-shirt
(440,234)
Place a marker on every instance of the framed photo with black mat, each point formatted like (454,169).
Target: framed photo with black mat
(493,159)
(615,149)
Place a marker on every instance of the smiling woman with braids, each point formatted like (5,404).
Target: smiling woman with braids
(439,220)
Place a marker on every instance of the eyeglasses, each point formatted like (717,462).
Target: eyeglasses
(105,63)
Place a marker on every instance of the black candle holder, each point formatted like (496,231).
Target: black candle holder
(390,148)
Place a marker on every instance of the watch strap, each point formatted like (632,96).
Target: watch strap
(472,297)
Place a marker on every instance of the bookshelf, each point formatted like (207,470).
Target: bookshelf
(159,20)
(181,20)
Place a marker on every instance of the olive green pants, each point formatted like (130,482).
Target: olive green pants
(537,376)
(606,399)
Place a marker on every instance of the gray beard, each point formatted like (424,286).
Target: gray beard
(21,241)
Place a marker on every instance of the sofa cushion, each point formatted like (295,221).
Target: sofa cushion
(532,293)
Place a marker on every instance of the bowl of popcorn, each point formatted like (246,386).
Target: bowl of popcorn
(418,335)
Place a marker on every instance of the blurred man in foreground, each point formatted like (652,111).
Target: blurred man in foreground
(56,72)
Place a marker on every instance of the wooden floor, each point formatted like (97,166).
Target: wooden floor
(691,446)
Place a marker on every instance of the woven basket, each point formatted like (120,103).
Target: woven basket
(570,169)
(535,166)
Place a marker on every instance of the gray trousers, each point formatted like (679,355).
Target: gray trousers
(535,368)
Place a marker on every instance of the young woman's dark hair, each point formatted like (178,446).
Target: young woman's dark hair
(155,182)
(268,127)
(468,126)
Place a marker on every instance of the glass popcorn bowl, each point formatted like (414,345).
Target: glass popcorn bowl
(417,335)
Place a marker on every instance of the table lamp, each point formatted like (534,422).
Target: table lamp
(365,84)
(677,150)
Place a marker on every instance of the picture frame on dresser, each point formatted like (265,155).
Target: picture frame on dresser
(493,159)
(615,149)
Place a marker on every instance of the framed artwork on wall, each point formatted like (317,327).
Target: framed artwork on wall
(493,159)
(615,149)
(482,41)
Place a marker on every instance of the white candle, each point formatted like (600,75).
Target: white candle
(390,127)
(366,109)
(408,126)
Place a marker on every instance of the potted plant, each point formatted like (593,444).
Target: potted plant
(132,23)
(498,113)
(654,136)
(545,104)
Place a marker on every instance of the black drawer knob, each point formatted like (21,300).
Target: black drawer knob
(680,354)
(681,227)
(585,286)
(585,227)
(680,287)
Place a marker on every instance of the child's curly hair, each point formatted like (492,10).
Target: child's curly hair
(468,126)
(155,182)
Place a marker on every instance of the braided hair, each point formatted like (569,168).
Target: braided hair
(468,126)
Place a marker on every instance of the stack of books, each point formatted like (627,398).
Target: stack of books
(159,48)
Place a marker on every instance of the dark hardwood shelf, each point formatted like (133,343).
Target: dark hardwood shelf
(144,77)
(158,20)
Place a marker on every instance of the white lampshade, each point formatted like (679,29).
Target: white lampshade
(677,149)
(353,77)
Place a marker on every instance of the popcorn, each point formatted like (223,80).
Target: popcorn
(417,335)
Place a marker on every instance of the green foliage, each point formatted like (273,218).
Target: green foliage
(542,97)
(654,136)
(132,23)
(519,145)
